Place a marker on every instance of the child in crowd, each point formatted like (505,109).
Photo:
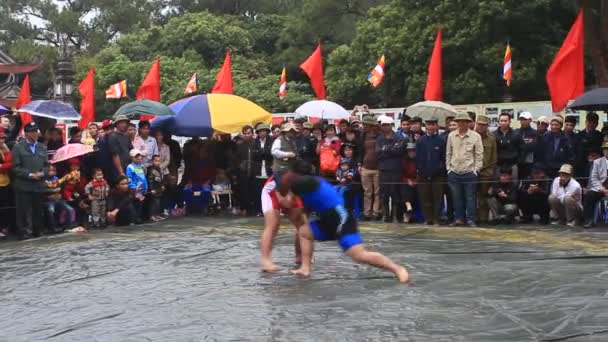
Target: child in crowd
(156,188)
(345,173)
(120,208)
(137,181)
(56,205)
(172,197)
(97,190)
(73,190)
(408,180)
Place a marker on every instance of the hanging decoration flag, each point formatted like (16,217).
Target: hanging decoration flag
(87,104)
(192,85)
(434,82)
(566,75)
(283,84)
(223,80)
(313,67)
(25,97)
(376,76)
(117,90)
(507,73)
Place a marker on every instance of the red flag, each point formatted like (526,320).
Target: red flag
(223,81)
(313,67)
(434,86)
(87,104)
(150,87)
(25,97)
(566,75)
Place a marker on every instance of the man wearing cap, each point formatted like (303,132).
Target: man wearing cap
(508,143)
(119,145)
(542,126)
(598,186)
(488,168)
(464,160)
(566,197)
(368,169)
(586,140)
(390,148)
(430,167)
(554,149)
(528,144)
(30,166)
(284,149)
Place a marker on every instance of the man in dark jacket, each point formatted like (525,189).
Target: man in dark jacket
(307,145)
(508,143)
(554,149)
(30,160)
(247,182)
(11,131)
(263,160)
(529,142)
(390,148)
(502,198)
(587,140)
(430,166)
(533,196)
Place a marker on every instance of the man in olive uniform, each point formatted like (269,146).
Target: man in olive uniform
(488,170)
(30,165)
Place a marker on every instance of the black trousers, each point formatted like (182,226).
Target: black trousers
(259,184)
(247,186)
(390,192)
(589,202)
(534,204)
(29,213)
(7,208)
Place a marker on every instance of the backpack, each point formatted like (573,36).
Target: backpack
(329,160)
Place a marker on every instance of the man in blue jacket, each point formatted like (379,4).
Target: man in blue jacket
(554,149)
(390,148)
(430,165)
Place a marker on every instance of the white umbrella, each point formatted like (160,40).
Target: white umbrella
(323,109)
(427,109)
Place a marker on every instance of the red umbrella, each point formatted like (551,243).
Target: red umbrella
(70,151)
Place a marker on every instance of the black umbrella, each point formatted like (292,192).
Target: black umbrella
(596,99)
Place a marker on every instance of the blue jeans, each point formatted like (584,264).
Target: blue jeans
(464,190)
(57,207)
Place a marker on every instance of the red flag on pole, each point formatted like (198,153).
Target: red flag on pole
(313,67)
(25,97)
(150,87)
(223,81)
(566,75)
(87,104)
(434,83)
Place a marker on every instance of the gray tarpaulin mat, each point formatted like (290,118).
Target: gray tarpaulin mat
(198,279)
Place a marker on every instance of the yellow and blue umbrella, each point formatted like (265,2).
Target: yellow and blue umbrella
(200,115)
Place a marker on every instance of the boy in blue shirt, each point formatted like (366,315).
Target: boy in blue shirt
(137,181)
(334,223)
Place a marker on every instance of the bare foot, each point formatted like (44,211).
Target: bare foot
(269,267)
(402,275)
(302,272)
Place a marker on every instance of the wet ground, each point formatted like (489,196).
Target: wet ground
(197,279)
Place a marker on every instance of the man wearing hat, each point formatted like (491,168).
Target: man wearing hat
(284,149)
(30,166)
(488,168)
(307,146)
(430,165)
(542,125)
(566,197)
(262,156)
(390,148)
(119,146)
(464,160)
(368,164)
(598,186)
(528,144)
(554,149)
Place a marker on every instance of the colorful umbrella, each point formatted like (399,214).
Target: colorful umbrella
(51,109)
(143,107)
(199,116)
(70,151)
(323,109)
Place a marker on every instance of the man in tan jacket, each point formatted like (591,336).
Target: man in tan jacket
(464,160)
(488,169)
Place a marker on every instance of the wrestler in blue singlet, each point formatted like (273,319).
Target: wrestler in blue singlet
(335,222)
